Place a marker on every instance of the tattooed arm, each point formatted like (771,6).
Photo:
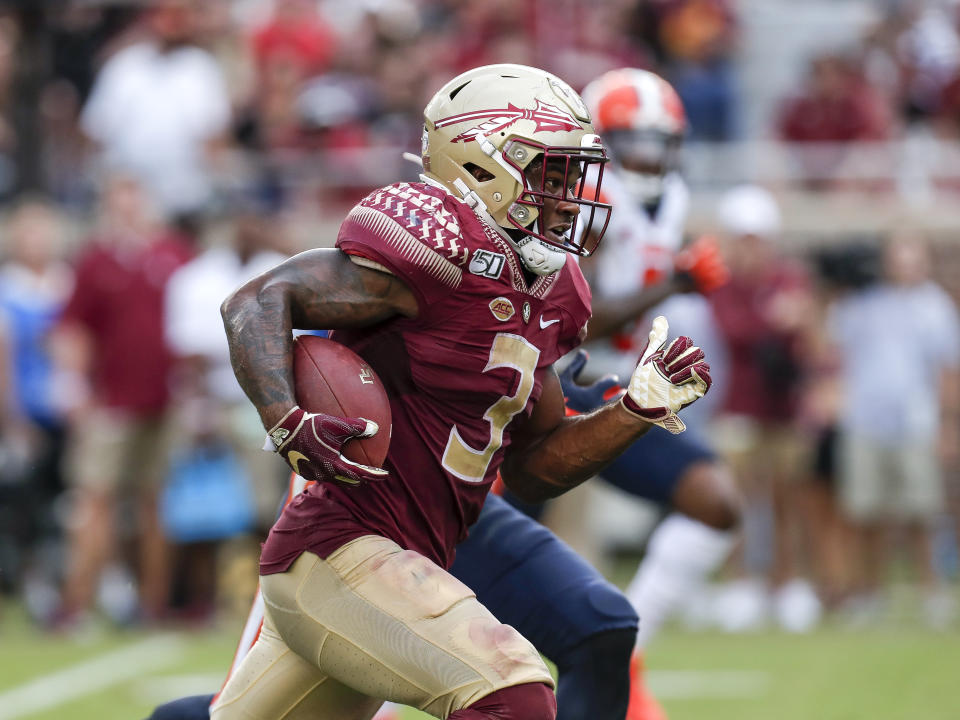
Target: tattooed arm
(551,453)
(315,290)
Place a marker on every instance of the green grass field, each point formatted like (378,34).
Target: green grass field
(906,673)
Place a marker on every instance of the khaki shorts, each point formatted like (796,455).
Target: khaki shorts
(879,481)
(372,622)
(111,449)
(759,452)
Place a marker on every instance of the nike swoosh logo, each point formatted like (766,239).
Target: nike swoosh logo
(548,323)
(295,457)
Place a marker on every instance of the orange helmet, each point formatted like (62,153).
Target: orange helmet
(642,121)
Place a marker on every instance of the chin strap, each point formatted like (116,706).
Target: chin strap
(536,256)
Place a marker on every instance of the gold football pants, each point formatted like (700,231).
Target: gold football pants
(373,622)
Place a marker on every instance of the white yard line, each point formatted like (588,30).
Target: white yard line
(160,689)
(90,676)
(716,684)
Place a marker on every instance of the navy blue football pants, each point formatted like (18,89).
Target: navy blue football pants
(650,469)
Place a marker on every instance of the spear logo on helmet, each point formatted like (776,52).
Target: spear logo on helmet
(549,118)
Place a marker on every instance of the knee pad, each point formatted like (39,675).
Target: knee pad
(597,609)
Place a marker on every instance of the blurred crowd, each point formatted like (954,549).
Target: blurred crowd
(197,96)
(321,96)
(155,155)
(839,417)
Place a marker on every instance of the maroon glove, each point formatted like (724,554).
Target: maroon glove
(667,379)
(310,444)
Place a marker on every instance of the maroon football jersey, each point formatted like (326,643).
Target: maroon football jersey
(471,362)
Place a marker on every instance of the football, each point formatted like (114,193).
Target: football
(330,378)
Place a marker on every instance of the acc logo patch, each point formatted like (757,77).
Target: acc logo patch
(501,308)
(487,264)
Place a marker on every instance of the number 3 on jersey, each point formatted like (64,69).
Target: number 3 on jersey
(510,351)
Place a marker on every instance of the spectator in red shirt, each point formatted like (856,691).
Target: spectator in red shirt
(111,339)
(836,106)
(758,313)
(763,315)
(296,36)
(292,47)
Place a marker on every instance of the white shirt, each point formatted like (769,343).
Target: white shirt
(894,343)
(638,249)
(192,312)
(153,113)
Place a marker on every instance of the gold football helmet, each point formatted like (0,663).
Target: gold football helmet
(488,136)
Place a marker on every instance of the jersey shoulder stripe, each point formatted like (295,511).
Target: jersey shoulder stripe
(406,245)
(416,221)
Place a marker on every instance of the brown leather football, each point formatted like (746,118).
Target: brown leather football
(330,378)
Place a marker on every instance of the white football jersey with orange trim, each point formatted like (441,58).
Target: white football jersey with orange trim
(637,249)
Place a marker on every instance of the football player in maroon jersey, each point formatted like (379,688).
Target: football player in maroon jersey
(460,291)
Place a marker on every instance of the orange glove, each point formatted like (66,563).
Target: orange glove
(703,264)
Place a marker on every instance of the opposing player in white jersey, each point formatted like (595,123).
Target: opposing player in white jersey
(644,262)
